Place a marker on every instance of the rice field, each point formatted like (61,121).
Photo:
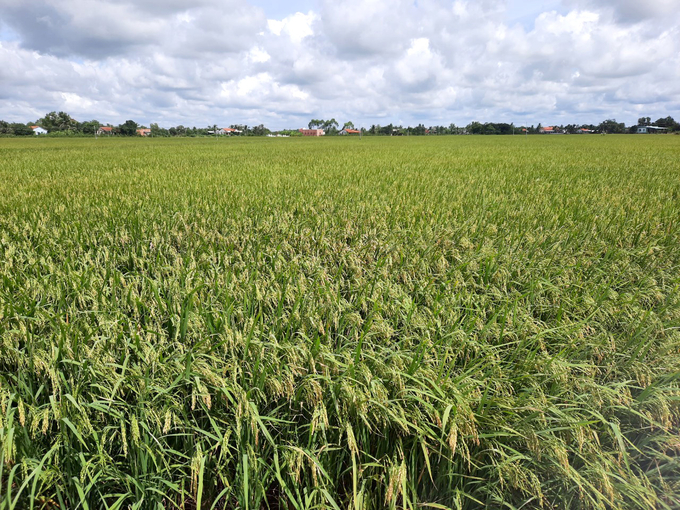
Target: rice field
(430,322)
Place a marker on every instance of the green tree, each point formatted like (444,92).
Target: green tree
(476,128)
(330,126)
(348,125)
(490,129)
(90,127)
(260,130)
(611,126)
(60,121)
(21,129)
(128,128)
(158,131)
(667,122)
(387,130)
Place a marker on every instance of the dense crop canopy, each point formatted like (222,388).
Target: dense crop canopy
(453,322)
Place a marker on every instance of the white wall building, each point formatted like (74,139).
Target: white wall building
(643,130)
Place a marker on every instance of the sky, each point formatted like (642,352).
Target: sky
(282,63)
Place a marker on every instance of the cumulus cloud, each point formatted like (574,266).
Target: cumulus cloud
(420,69)
(296,27)
(631,11)
(359,28)
(197,62)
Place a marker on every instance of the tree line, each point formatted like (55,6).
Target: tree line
(502,128)
(62,124)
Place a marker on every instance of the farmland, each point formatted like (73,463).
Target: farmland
(434,322)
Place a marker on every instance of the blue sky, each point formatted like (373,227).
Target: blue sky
(525,12)
(200,62)
(520,11)
(281,9)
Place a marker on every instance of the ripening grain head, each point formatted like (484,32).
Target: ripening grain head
(453,322)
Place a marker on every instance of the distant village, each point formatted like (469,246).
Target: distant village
(62,124)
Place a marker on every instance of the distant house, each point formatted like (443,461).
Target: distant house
(645,130)
(38,130)
(584,131)
(144,132)
(548,130)
(225,131)
(350,132)
(105,130)
(312,132)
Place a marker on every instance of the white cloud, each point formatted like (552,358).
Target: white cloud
(258,55)
(431,61)
(419,68)
(275,26)
(576,23)
(632,11)
(296,27)
(368,27)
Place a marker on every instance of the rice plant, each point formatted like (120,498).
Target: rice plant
(453,322)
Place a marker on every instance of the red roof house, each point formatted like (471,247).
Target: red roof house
(312,132)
